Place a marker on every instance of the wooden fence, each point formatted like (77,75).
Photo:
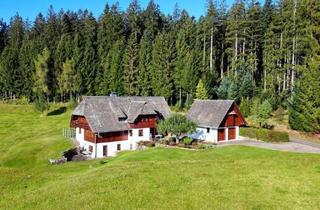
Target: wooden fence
(69,133)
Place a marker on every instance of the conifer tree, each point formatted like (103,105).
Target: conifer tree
(130,65)
(235,36)
(41,77)
(88,62)
(144,69)
(162,66)
(304,106)
(201,92)
(113,70)
(67,78)
(11,75)
(3,34)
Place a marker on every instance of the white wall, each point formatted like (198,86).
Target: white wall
(135,135)
(112,146)
(80,136)
(212,136)
(201,134)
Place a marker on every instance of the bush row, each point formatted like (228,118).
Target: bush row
(265,134)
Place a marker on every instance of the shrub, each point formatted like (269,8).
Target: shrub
(24,100)
(103,161)
(147,143)
(73,104)
(265,135)
(205,146)
(261,112)
(69,154)
(187,141)
(171,139)
(245,107)
(201,146)
(176,124)
(41,104)
(150,144)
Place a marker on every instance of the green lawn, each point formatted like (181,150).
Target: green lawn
(233,177)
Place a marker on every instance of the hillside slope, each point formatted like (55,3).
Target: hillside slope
(234,177)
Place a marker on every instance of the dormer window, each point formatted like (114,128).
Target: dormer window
(122,119)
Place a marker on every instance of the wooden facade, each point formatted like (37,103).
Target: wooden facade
(233,118)
(89,136)
(145,121)
(112,136)
(79,122)
(231,133)
(221,134)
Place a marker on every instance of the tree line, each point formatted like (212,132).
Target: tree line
(248,51)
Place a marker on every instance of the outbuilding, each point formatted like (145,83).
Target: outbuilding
(217,120)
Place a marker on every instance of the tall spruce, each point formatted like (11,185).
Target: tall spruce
(304,108)
(162,66)
(130,65)
(11,76)
(88,62)
(144,76)
(41,77)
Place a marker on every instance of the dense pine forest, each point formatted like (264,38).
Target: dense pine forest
(255,54)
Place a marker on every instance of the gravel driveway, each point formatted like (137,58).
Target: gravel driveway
(288,146)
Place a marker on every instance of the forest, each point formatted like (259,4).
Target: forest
(251,53)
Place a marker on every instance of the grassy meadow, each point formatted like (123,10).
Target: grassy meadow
(233,177)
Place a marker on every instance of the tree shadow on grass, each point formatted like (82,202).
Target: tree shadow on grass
(61,110)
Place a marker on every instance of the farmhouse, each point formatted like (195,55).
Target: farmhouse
(217,120)
(107,124)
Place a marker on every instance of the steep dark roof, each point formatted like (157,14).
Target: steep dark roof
(103,112)
(209,113)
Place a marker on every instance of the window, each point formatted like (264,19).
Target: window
(90,148)
(208,130)
(140,132)
(118,147)
(130,132)
(105,150)
(131,146)
(79,130)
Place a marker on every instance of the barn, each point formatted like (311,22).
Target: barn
(217,120)
(105,125)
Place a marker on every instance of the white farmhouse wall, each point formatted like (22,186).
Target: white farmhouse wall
(135,135)
(237,133)
(80,136)
(201,134)
(130,144)
(112,147)
(212,136)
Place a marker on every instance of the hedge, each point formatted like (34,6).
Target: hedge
(265,134)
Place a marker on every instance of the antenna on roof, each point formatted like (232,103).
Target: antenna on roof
(113,94)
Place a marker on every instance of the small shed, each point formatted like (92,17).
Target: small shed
(217,120)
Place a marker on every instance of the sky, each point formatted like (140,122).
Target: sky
(28,9)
